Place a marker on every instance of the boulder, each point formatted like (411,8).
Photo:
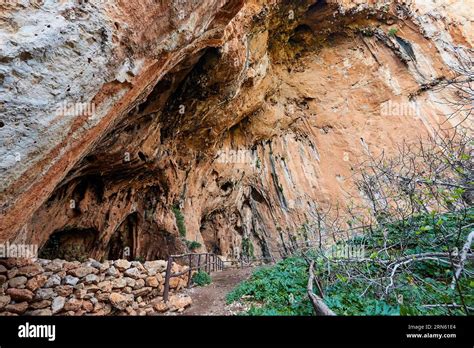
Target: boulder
(15,262)
(4,300)
(119,283)
(177,302)
(154,267)
(58,304)
(40,312)
(64,290)
(12,273)
(54,266)
(53,281)
(20,295)
(160,306)
(103,296)
(17,282)
(18,308)
(44,294)
(30,270)
(91,288)
(152,282)
(142,292)
(36,282)
(40,304)
(70,280)
(112,271)
(106,286)
(122,265)
(130,281)
(120,301)
(91,279)
(80,293)
(67,266)
(73,304)
(132,273)
(88,306)
(83,271)
(140,283)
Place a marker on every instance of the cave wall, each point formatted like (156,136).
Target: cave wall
(243,118)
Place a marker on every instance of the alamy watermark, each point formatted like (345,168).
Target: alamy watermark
(346,251)
(236,157)
(18,250)
(405,109)
(76,109)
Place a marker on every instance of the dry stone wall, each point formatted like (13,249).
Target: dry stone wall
(57,287)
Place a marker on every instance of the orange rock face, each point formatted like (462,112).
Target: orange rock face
(217,122)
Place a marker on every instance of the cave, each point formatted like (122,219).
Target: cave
(123,237)
(74,244)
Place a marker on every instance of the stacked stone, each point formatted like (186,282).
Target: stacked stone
(58,287)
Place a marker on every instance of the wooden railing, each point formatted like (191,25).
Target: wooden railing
(209,262)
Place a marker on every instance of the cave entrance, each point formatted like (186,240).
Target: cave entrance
(122,242)
(72,244)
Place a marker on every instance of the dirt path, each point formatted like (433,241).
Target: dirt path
(211,299)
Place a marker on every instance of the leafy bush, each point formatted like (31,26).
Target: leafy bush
(179,221)
(201,278)
(392,31)
(247,247)
(193,245)
(281,289)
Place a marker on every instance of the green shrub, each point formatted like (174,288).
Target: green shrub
(392,31)
(247,247)
(281,289)
(201,278)
(192,245)
(179,221)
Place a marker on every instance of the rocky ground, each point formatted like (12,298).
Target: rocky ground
(211,299)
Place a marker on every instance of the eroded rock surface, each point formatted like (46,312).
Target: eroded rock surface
(220,122)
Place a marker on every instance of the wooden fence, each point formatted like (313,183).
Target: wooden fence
(209,262)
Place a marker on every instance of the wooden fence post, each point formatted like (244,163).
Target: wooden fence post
(190,270)
(167,279)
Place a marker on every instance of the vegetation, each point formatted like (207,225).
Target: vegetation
(201,278)
(247,248)
(415,229)
(192,245)
(277,290)
(362,287)
(179,221)
(392,31)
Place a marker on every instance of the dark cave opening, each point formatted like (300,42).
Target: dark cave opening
(71,244)
(122,243)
